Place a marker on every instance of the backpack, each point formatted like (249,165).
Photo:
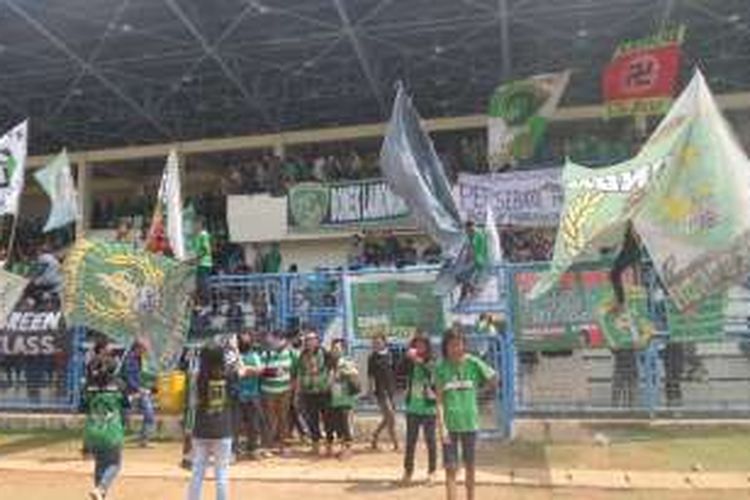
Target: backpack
(104,429)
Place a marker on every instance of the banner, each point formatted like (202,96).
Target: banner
(695,222)
(641,77)
(126,293)
(517,117)
(56,180)
(396,305)
(577,312)
(521,198)
(12,164)
(320,206)
(33,334)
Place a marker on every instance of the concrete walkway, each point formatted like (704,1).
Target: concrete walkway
(555,478)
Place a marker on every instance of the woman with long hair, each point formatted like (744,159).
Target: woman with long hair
(420,405)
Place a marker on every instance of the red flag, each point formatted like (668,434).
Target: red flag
(642,74)
(156,241)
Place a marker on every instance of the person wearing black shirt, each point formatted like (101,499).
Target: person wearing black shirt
(383,381)
(629,256)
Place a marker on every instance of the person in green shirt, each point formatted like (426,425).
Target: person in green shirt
(475,261)
(420,405)
(276,389)
(459,378)
(345,386)
(272,260)
(203,250)
(313,386)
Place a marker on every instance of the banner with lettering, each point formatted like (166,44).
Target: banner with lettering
(578,312)
(396,305)
(641,77)
(314,206)
(34,333)
(530,198)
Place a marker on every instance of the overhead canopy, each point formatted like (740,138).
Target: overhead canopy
(687,194)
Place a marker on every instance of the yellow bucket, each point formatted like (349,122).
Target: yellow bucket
(171,392)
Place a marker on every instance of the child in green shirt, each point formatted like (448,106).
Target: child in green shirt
(459,378)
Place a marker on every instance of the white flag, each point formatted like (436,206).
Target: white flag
(11,290)
(56,180)
(12,164)
(170,195)
(494,249)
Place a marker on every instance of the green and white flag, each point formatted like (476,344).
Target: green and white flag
(13,149)
(517,116)
(56,180)
(127,293)
(11,290)
(687,194)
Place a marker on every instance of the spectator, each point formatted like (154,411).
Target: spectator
(251,411)
(104,429)
(48,274)
(203,248)
(276,389)
(383,386)
(272,259)
(344,382)
(459,378)
(420,405)
(312,383)
(138,391)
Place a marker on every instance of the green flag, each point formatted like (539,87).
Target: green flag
(11,290)
(127,293)
(57,181)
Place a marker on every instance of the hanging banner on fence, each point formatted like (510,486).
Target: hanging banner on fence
(517,117)
(396,305)
(28,333)
(126,293)
(578,312)
(641,77)
(520,198)
(319,206)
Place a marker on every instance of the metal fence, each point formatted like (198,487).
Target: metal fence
(38,381)
(660,378)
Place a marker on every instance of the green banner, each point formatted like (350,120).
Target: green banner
(578,312)
(396,305)
(126,293)
(316,206)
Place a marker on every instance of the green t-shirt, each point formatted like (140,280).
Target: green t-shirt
(342,395)
(203,250)
(283,362)
(312,373)
(420,396)
(478,242)
(459,383)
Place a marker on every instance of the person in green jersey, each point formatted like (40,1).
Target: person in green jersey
(276,389)
(203,250)
(459,378)
(313,386)
(345,386)
(420,405)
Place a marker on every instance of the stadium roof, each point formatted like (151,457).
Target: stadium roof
(117,72)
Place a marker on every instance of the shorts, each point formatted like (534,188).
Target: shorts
(468,441)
